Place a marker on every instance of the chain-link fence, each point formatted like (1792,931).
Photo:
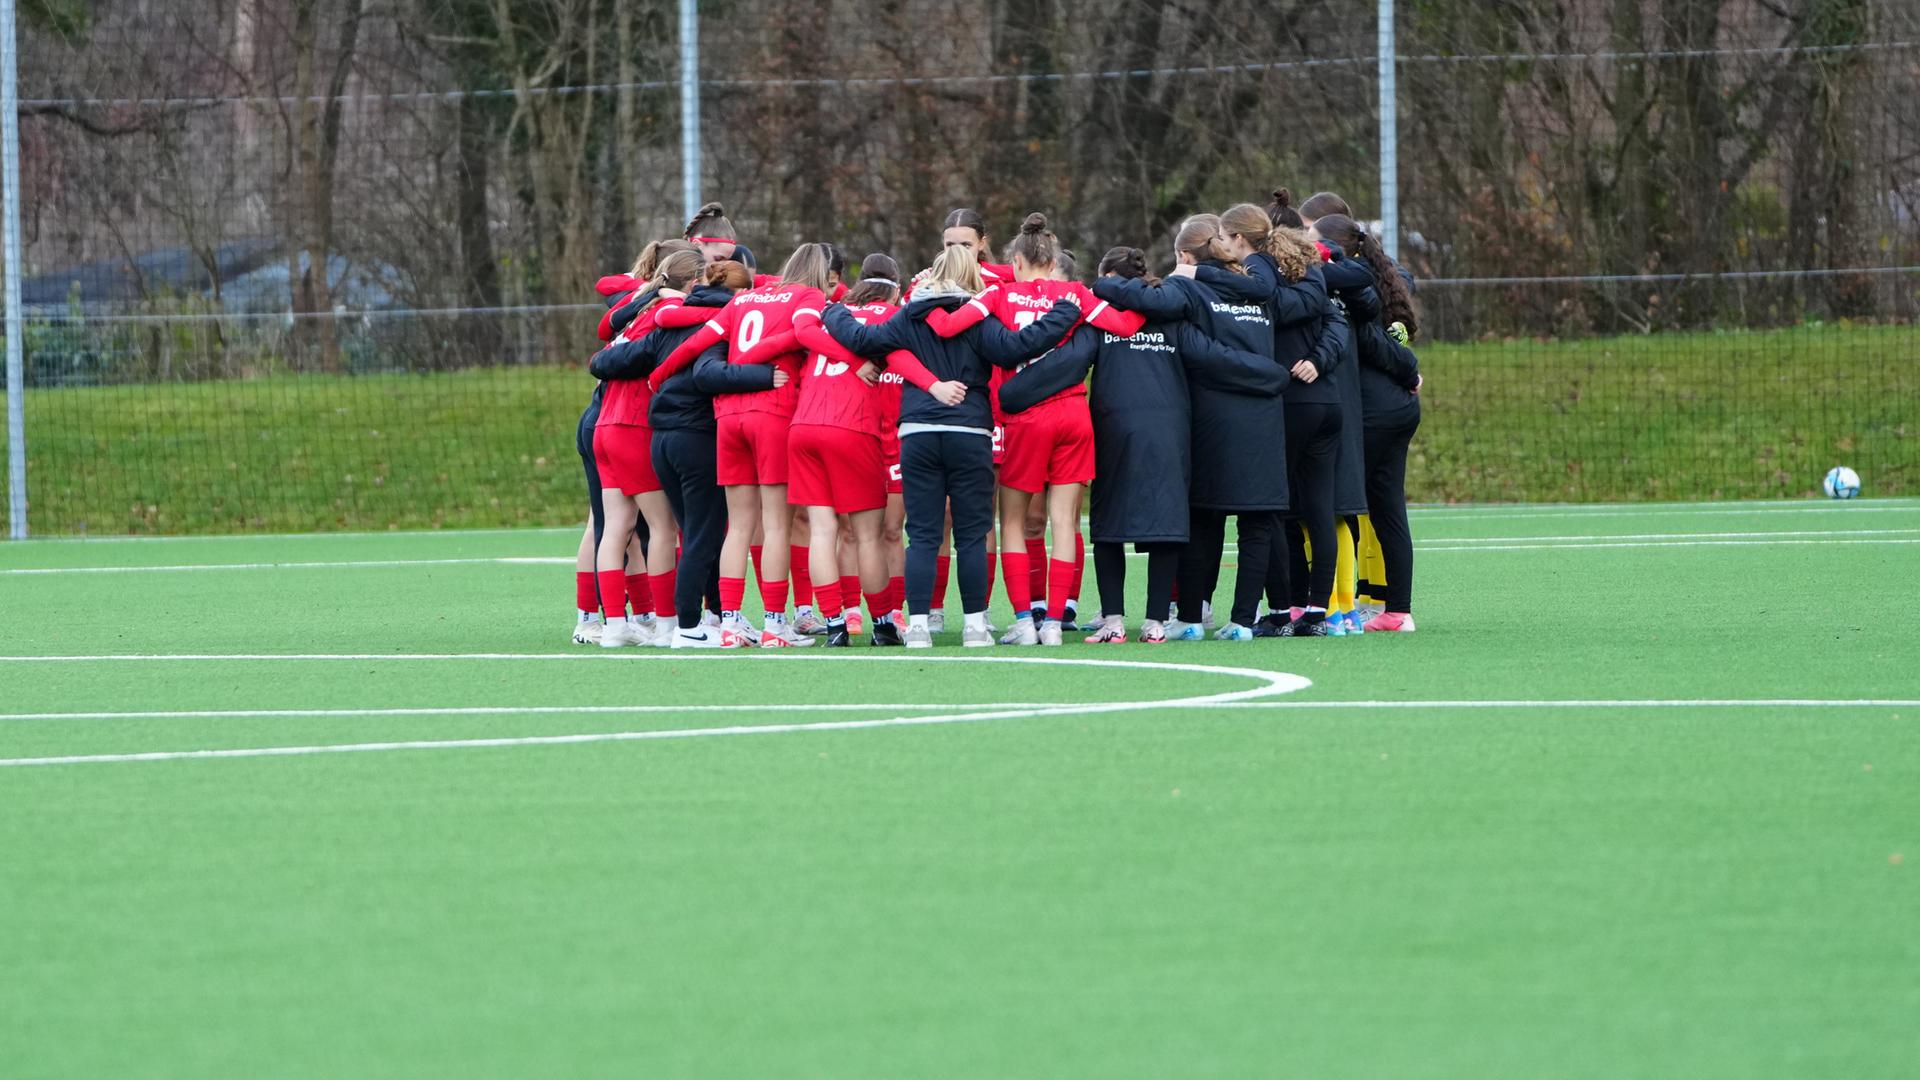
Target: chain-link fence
(301,264)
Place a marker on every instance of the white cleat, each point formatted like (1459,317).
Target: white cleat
(810,624)
(1021,633)
(587,631)
(703,637)
(663,632)
(937,621)
(918,637)
(977,639)
(1050,632)
(779,635)
(623,632)
(741,629)
(708,618)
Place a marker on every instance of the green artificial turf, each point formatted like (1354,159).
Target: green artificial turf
(1461,890)
(1662,416)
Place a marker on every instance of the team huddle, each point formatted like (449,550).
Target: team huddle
(865,437)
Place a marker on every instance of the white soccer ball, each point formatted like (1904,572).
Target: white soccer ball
(1841,482)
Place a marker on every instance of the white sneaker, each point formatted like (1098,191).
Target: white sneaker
(587,631)
(937,621)
(702,637)
(1050,632)
(741,629)
(977,639)
(810,624)
(918,637)
(1233,632)
(663,633)
(708,618)
(1022,633)
(779,635)
(622,632)
(1185,631)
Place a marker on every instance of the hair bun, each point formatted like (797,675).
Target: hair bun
(1282,197)
(712,209)
(1036,223)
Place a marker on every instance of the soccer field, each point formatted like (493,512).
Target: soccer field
(1641,798)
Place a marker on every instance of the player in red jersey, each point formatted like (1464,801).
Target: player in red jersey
(753,429)
(622,450)
(1049,448)
(837,469)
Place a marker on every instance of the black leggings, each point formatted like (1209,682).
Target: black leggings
(684,462)
(1313,445)
(939,470)
(1110,570)
(1386,443)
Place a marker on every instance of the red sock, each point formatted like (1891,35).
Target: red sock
(1079,565)
(826,597)
(896,594)
(663,584)
(755,550)
(942,568)
(1059,579)
(1018,581)
(733,593)
(1036,567)
(773,596)
(639,595)
(849,590)
(802,574)
(880,604)
(586,591)
(613,593)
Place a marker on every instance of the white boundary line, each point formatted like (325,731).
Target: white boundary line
(1594,703)
(1458,543)
(494,560)
(1271,682)
(518,710)
(1560,510)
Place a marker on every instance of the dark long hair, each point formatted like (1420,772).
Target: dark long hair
(1396,303)
(879,280)
(1128,262)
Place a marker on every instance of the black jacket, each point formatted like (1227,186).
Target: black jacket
(968,357)
(1238,434)
(1141,420)
(684,402)
(589,419)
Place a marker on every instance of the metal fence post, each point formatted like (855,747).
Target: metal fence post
(1389,136)
(690,104)
(16,357)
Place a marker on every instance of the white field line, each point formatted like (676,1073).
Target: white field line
(520,710)
(1604,510)
(1270,682)
(357,535)
(1438,546)
(1594,703)
(504,560)
(1451,543)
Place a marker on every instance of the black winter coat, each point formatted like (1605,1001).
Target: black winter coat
(1141,419)
(1239,438)
(1350,283)
(684,402)
(968,357)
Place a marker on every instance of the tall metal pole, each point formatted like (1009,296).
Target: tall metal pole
(1389,137)
(16,360)
(690,104)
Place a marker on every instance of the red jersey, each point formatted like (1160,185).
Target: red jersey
(1018,303)
(832,393)
(627,399)
(757,313)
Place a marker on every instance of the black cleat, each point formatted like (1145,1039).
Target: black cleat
(837,636)
(1272,619)
(1304,627)
(1263,628)
(885,633)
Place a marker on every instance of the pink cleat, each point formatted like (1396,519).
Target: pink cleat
(1112,631)
(1392,621)
(1296,612)
(1153,633)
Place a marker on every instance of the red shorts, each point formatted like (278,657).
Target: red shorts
(624,455)
(1050,444)
(751,449)
(835,467)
